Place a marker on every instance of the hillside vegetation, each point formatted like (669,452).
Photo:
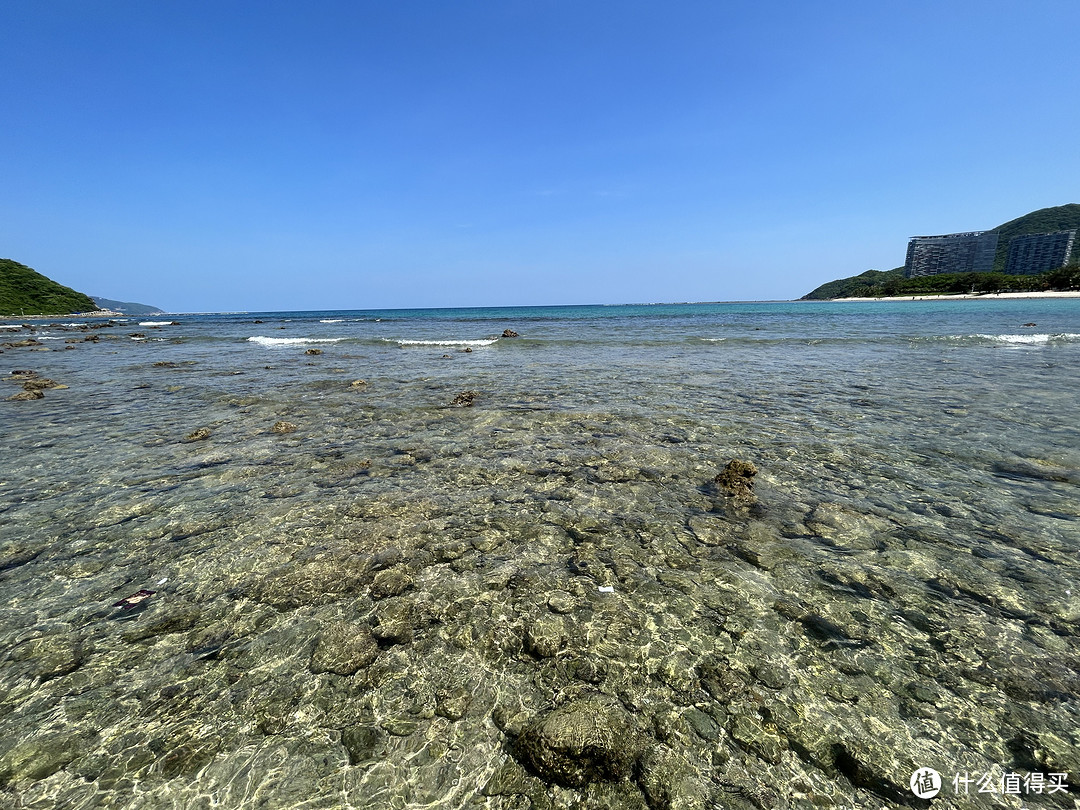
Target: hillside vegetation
(25,291)
(879,283)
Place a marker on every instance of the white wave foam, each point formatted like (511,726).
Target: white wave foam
(714,340)
(273,341)
(486,342)
(10,326)
(1028,340)
(155,323)
(332,320)
(73,324)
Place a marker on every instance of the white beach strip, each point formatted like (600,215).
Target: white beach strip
(965,296)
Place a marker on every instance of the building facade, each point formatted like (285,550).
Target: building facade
(1038,252)
(971,252)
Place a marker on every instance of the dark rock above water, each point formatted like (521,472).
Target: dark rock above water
(27,395)
(737,480)
(465,399)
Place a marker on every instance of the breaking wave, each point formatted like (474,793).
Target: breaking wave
(273,341)
(485,342)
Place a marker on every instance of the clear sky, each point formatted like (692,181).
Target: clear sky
(269,155)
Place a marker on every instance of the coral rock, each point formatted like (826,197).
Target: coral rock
(737,480)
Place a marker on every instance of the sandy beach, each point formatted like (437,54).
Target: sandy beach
(959,296)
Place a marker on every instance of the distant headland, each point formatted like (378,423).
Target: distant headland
(1036,253)
(25,292)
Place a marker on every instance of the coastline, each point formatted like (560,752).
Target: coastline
(100,313)
(966,296)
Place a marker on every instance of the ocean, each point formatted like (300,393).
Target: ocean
(394,559)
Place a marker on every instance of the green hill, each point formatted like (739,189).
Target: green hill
(125,307)
(870,283)
(877,283)
(24,290)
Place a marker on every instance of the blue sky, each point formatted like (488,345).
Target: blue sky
(206,156)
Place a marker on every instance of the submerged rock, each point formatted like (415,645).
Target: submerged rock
(51,656)
(510,333)
(344,648)
(318,582)
(588,740)
(198,435)
(669,781)
(391,582)
(41,756)
(283,427)
(562,602)
(545,636)
(362,743)
(452,702)
(313,351)
(393,622)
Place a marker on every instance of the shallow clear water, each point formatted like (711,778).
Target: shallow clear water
(903,593)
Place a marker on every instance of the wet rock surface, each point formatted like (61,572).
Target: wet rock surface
(737,480)
(466,399)
(26,396)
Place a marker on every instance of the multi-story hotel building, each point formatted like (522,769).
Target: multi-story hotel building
(1038,252)
(971,252)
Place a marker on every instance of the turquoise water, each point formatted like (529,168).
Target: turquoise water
(380,605)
